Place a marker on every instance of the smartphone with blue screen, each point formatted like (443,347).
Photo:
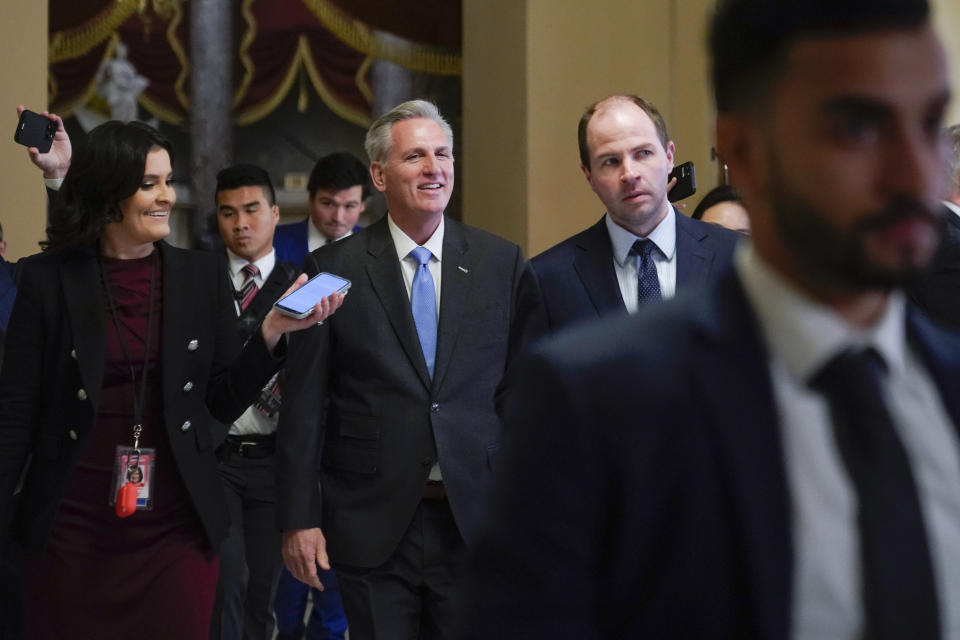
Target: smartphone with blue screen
(301,302)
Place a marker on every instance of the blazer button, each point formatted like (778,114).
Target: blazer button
(72,434)
(193,345)
(435,407)
(185,426)
(73,353)
(81,394)
(188,386)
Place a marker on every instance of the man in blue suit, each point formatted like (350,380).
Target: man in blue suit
(776,457)
(626,156)
(338,186)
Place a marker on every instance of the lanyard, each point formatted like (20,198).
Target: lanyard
(137,402)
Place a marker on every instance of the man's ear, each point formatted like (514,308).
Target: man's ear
(275,212)
(586,172)
(376,176)
(671,151)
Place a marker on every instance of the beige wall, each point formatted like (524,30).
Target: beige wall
(23,76)
(947,18)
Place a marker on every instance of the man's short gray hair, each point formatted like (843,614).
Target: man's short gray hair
(379,136)
(952,134)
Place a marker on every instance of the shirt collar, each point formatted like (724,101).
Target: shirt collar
(953,207)
(404,245)
(806,334)
(315,237)
(264,264)
(664,235)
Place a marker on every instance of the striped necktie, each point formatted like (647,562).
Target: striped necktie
(249,288)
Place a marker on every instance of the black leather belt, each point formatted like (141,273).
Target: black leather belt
(434,490)
(252,446)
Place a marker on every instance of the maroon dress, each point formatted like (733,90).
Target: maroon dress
(153,574)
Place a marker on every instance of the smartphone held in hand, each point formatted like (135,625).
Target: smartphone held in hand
(35,130)
(301,302)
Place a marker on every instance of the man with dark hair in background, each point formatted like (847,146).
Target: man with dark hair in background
(338,186)
(250,561)
(642,249)
(937,291)
(778,456)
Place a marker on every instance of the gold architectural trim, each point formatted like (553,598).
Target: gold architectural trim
(356,34)
(73,43)
(361,79)
(245,60)
(177,48)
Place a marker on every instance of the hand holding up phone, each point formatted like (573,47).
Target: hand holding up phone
(56,160)
(277,323)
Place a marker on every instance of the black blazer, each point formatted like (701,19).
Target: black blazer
(577,278)
(937,290)
(387,422)
(650,475)
(56,348)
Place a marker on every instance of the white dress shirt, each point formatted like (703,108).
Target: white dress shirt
(315,239)
(801,336)
(953,207)
(253,421)
(664,236)
(408,264)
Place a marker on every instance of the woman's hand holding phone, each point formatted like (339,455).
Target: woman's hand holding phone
(276,323)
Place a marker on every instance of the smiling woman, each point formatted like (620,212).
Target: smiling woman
(122,349)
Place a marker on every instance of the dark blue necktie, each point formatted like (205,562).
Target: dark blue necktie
(423,302)
(899,594)
(648,284)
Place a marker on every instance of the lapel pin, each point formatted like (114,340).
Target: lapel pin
(462,269)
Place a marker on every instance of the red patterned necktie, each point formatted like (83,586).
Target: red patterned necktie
(249,288)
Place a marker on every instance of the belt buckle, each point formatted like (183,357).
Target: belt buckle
(241,447)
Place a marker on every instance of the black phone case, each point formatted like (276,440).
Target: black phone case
(686,185)
(35,130)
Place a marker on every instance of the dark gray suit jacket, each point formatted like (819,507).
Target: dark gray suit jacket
(577,278)
(386,422)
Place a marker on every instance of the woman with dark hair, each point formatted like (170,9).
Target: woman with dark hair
(723,206)
(122,346)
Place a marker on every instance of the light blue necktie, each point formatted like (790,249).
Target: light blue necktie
(423,302)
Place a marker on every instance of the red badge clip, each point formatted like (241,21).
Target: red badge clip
(126,500)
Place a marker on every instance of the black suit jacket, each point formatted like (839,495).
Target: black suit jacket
(56,348)
(649,474)
(937,291)
(577,278)
(386,421)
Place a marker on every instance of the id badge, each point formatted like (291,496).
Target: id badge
(139,469)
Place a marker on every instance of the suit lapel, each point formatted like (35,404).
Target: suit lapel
(693,259)
(748,437)
(83,293)
(383,269)
(594,265)
(456,271)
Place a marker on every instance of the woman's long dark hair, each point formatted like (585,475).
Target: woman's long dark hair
(106,170)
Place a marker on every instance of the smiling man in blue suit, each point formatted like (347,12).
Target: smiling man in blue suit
(642,249)
(778,456)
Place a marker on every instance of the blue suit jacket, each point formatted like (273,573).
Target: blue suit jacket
(650,474)
(577,278)
(290,241)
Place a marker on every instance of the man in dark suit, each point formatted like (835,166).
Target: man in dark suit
(338,186)
(778,456)
(626,156)
(399,397)
(938,290)
(250,561)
